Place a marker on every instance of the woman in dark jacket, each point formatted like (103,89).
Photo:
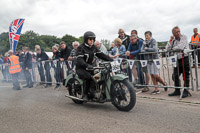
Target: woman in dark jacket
(124,38)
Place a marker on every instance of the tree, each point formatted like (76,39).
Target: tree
(68,39)
(4,42)
(47,41)
(80,39)
(29,39)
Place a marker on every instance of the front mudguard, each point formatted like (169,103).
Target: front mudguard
(119,77)
(73,76)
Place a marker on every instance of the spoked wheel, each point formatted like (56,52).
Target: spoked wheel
(74,88)
(123,95)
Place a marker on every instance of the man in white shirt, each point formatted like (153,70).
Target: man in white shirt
(180,42)
(101,47)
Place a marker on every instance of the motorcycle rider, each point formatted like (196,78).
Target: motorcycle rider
(86,53)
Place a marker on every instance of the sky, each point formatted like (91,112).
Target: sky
(103,17)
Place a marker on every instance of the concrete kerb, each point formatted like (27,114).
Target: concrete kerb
(194,99)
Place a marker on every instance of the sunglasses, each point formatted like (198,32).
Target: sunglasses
(91,38)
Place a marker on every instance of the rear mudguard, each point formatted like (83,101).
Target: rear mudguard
(71,76)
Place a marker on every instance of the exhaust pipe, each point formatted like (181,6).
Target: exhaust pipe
(72,97)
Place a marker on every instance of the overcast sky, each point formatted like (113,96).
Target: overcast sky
(103,17)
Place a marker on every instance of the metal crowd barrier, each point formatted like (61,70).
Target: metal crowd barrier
(54,72)
(51,71)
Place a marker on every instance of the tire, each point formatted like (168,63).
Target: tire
(119,94)
(74,91)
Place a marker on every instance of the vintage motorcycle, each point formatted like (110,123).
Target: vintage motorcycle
(108,85)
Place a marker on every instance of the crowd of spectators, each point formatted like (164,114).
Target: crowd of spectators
(124,46)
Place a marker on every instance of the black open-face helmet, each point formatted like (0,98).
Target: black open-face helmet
(87,35)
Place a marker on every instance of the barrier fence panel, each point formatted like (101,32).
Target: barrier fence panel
(197,65)
(196,62)
(51,72)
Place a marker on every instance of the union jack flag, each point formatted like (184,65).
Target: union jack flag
(14,32)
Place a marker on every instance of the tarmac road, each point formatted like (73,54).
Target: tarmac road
(45,110)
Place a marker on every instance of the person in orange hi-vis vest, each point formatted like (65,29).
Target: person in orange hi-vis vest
(195,43)
(14,69)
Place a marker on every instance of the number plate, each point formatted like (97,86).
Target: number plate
(115,66)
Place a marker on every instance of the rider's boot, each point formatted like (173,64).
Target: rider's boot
(85,97)
(85,93)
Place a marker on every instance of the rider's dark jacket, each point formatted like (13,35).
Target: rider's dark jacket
(85,55)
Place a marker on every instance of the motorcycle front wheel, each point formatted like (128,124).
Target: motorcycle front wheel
(123,95)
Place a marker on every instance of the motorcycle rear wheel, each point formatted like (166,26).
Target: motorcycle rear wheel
(73,89)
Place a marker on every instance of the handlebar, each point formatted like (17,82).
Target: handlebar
(96,68)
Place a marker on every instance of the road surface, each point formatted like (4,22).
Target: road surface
(45,110)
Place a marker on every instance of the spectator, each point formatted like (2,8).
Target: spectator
(1,56)
(1,60)
(136,33)
(73,52)
(119,49)
(150,45)
(58,46)
(195,40)
(124,38)
(56,53)
(33,76)
(140,73)
(1,63)
(112,46)
(56,66)
(133,53)
(180,42)
(37,47)
(27,67)
(21,55)
(65,51)
(5,59)
(6,74)
(101,47)
(21,58)
(72,56)
(14,69)
(64,54)
(42,57)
